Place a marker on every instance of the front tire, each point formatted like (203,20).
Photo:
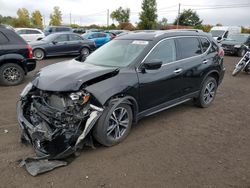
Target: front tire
(114,125)
(11,74)
(85,52)
(207,93)
(39,54)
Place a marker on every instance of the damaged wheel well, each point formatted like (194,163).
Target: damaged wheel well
(125,99)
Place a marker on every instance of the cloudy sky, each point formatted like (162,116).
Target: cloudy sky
(95,11)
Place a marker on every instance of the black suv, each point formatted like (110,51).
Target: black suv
(15,58)
(236,44)
(131,77)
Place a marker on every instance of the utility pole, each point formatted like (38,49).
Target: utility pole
(107,17)
(70,18)
(178,18)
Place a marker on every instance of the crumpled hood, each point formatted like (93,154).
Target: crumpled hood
(68,75)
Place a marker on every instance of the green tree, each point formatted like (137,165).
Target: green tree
(36,19)
(148,15)
(162,24)
(121,15)
(23,19)
(56,17)
(188,18)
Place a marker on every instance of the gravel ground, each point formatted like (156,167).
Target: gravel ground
(182,147)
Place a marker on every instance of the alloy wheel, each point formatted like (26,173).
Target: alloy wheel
(209,92)
(11,74)
(118,123)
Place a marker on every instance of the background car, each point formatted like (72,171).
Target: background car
(62,44)
(100,38)
(30,34)
(15,58)
(57,29)
(236,44)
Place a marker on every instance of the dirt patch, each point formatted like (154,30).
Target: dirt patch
(181,147)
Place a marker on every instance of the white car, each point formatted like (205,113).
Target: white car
(30,34)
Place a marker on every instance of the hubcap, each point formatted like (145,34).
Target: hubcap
(39,54)
(209,92)
(118,123)
(11,74)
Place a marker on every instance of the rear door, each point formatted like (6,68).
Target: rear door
(191,63)
(75,43)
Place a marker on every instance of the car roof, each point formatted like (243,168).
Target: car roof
(59,26)
(158,34)
(22,28)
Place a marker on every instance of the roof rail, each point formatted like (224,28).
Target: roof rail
(195,30)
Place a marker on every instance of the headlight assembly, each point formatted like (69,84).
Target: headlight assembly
(26,90)
(237,46)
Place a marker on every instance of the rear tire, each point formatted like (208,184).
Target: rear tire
(113,127)
(11,74)
(207,93)
(39,54)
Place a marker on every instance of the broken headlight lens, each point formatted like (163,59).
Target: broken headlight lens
(81,96)
(26,90)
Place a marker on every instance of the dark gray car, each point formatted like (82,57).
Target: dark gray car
(62,44)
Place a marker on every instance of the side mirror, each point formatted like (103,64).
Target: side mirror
(219,38)
(54,42)
(152,64)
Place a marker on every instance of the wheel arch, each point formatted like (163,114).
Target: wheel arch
(125,99)
(15,61)
(215,74)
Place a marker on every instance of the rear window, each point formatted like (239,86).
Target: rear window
(205,44)
(188,47)
(3,39)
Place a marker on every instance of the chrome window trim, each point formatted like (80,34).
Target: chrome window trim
(180,59)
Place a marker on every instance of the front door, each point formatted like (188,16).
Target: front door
(164,84)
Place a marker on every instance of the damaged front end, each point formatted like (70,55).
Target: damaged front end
(56,123)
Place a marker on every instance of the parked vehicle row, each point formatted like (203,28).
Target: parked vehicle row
(30,34)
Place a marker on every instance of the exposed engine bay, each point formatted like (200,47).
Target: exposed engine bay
(56,123)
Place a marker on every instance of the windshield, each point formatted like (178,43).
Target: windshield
(117,53)
(217,33)
(239,38)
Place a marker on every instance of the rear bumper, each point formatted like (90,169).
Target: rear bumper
(30,64)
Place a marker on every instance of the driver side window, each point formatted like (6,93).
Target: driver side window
(164,51)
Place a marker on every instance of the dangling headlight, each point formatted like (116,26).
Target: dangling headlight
(81,97)
(26,90)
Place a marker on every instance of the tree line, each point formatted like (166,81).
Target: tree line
(148,19)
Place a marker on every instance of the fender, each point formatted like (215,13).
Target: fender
(126,100)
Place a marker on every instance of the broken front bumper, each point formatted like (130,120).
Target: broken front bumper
(57,143)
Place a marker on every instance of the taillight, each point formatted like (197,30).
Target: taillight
(30,55)
(221,52)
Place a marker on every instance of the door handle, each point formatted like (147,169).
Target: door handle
(177,71)
(205,61)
